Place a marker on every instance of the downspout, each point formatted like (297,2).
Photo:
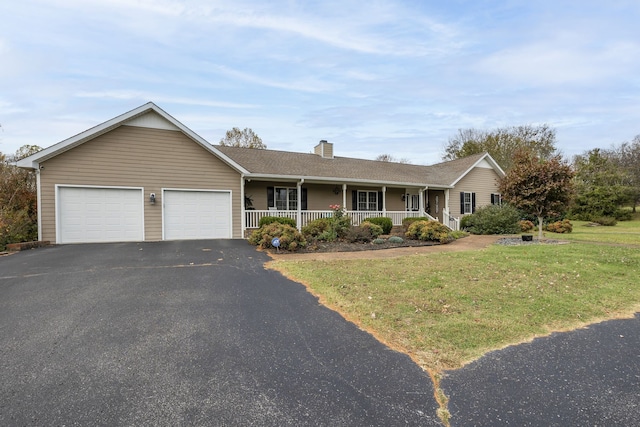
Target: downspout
(243,218)
(39,202)
(299,210)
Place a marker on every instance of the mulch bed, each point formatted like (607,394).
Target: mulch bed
(340,246)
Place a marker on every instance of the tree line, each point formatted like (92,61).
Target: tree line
(603,181)
(597,183)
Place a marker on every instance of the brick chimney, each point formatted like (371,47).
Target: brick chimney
(324,149)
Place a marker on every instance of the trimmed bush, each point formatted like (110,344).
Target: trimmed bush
(290,238)
(563,226)
(494,219)
(606,220)
(406,222)
(526,225)
(316,227)
(383,222)
(378,241)
(266,220)
(374,229)
(359,235)
(464,222)
(396,239)
(459,234)
(431,231)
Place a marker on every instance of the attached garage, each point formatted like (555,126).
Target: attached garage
(196,214)
(99,214)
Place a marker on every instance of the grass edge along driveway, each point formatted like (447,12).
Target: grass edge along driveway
(448,309)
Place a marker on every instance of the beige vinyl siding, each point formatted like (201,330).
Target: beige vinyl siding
(481,181)
(131,156)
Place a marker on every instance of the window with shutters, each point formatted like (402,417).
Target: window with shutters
(367,200)
(468,205)
(286,198)
(496,199)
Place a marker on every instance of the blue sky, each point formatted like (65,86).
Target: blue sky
(373,77)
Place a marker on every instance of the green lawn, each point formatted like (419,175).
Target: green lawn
(446,309)
(624,232)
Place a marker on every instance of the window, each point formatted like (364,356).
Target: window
(467,203)
(437,204)
(496,198)
(412,202)
(286,198)
(367,200)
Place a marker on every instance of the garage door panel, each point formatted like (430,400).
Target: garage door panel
(88,214)
(196,214)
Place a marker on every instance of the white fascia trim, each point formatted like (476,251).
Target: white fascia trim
(486,157)
(333,180)
(32,162)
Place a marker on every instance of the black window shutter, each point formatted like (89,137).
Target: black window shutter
(462,203)
(473,202)
(379,200)
(493,199)
(270,198)
(303,204)
(354,200)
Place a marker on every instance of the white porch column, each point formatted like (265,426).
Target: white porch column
(384,200)
(299,206)
(446,202)
(423,195)
(344,196)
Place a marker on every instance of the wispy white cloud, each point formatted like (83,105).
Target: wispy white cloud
(148,96)
(385,73)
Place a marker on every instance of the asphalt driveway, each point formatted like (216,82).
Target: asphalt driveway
(586,377)
(187,333)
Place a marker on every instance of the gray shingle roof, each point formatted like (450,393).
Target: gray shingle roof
(289,164)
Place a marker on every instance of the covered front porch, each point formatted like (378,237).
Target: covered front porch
(306,201)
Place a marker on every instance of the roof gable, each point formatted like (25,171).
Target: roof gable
(147,115)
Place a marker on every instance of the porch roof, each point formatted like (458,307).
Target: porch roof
(285,164)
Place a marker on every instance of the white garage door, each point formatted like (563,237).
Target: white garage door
(88,214)
(196,214)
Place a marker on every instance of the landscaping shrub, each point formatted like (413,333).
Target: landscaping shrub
(316,227)
(623,215)
(526,225)
(563,226)
(606,220)
(290,238)
(464,222)
(406,222)
(494,219)
(266,220)
(459,234)
(383,222)
(432,231)
(374,229)
(396,239)
(359,234)
(378,241)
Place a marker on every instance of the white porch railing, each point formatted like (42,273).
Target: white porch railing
(252,218)
(450,221)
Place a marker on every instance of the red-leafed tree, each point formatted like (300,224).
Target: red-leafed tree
(540,187)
